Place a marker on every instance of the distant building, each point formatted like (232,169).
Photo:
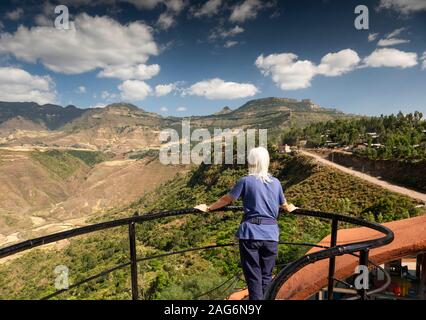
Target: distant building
(284,149)
(331,144)
(311,104)
(302,143)
(373,135)
(360,146)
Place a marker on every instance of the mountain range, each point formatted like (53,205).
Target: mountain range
(123,127)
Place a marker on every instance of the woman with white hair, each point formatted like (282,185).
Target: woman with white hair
(258,233)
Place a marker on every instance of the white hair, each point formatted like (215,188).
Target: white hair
(258,160)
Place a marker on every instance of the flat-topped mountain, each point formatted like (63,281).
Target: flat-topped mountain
(273,102)
(274,114)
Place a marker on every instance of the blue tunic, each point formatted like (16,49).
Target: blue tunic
(259,200)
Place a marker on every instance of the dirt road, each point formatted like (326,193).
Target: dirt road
(384,184)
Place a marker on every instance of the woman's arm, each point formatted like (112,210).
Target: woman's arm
(222,202)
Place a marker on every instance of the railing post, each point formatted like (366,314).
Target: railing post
(332,261)
(363,261)
(133,262)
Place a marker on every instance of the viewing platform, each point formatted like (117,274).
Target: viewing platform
(409,244)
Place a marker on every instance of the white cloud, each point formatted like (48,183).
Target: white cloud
(181,109)
(134,90)
(286,71)
(389,57)
(98,105)
(139,4)
(81,89)
(423,58)
(219,89)
(106,95)
(47,15)
(43,20)
(138,72)
(231,32)
(221,33)
(391,42)
(15,15)
(338,63)
(395,33)
(289,73)
(167,19)
(390,39)
(245,10)
(174,5)
(372,36)
(164,109)
(230,43)
(91,43)
(403,6)
(164,89)
(208,9)
(19,85)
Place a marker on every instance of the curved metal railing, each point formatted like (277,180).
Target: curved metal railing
(326,253)
(335,250)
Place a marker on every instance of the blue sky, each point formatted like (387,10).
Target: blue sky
(181,57)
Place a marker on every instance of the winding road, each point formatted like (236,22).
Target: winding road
(384,184)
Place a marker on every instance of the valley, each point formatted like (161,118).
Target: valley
(51,190)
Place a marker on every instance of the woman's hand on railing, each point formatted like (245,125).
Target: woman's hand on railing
(202,207)
(289,207)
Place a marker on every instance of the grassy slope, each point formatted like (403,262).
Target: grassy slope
(60,164)
(185,276)
(64,164)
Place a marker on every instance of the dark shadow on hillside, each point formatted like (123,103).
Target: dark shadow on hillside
(291,170)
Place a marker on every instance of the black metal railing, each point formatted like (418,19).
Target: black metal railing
(330,252)
(363,247)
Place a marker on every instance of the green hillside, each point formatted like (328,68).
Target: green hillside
(187,276)
(400,136)
(60,164)
(64,164)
